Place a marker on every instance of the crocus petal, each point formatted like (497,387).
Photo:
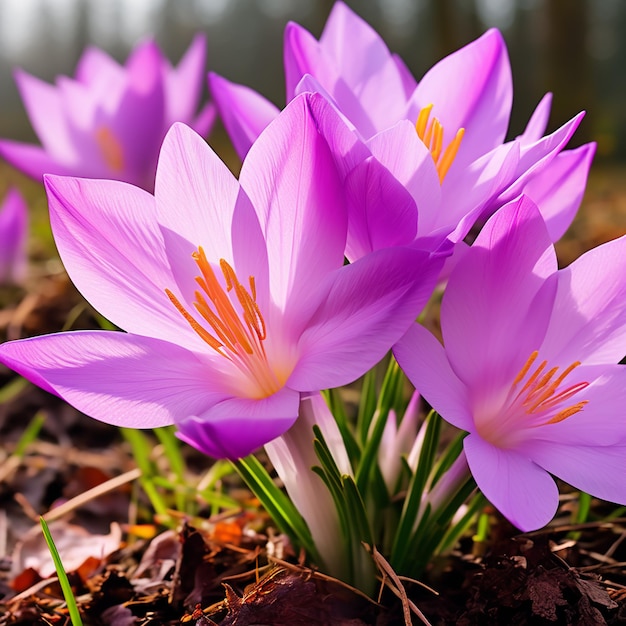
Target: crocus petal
(236,427)
(114,377)
(512,249)
(597,470)
(363,309)
(471,89)
(117,127)
(364,63)
(109,241)
(243,111)
(184,84)
(303,55)
(13,232)
(559,188)
(216,215)
(406,76)
(203,122)
(32,160)
(382,213)
(290,177)
(140,130)
(538,121)
(401,151)
(601,421)
(589,320)
(345,143)
(98,70)
(45,112)
(534,158)
(424,360)
(110,120)
(467,191)
(521,490)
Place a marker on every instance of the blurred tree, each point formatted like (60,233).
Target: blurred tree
(567,63)
(455,24)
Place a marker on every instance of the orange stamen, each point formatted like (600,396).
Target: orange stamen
(431,135)
(540,393)
(238,332)
(111,148)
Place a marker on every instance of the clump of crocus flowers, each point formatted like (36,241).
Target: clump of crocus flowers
(244,304)
(109,120)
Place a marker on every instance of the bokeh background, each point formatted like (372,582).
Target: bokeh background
(574,48)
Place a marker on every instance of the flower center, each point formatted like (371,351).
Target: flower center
(234,325)
(431,134)
(110,148)
(538,396)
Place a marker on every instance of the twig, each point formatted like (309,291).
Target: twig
(315,574)
(397,588)
(91,494)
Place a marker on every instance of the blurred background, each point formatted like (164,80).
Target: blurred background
(574,48)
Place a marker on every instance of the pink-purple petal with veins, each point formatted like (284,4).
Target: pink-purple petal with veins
(236,427)
(364,63)
(364,308)
(218,216)
(424,360)
(589,319)
(382,212)
(183,83)
(243,111)
(13,237)
(480,314)
(32,160)
(291,162)
(471,89)
(520,489)
(110,243)
(598,470)
(305,56)
(558,189)
(115,377)
(538,121)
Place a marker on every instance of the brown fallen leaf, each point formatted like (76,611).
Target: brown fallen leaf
(74,544)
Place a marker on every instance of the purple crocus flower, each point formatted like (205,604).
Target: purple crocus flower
(13,235)
(109,121)
(529,366)
(233,294)
(443,138)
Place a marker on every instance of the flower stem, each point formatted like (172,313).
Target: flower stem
(293,456)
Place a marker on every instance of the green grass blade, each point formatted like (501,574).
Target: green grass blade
(12,389)
(415,492)
(68,594)
(367,405)
(30,434)
(142,450)
(171,447)
(337,408)
(280,508)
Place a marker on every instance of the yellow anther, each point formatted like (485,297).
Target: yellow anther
(540,394)
(231,323)
(110,148)
(431,135)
